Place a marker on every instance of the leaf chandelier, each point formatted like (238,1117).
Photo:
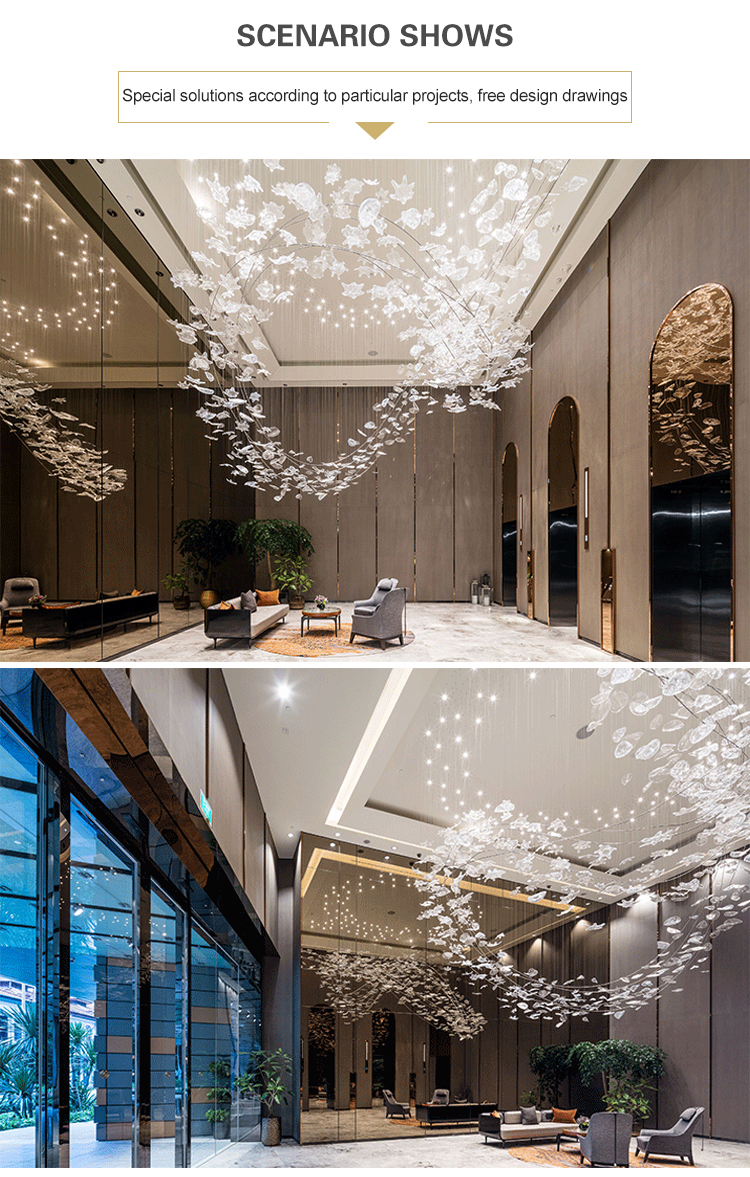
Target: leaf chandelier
(697,735)
(354,984)
(54,436)
(460,306)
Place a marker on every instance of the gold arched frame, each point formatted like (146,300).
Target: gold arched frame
(511,447)
(577,497)
(704,286)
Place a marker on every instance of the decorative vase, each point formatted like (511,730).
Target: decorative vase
(208,598)
(296,602)
(270,1131)
(322,608)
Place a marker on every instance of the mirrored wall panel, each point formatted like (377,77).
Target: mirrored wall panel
(394,1043)
(691,480)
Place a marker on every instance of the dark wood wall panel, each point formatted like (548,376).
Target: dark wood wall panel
(730,1026)
(117,511)
(151,420)
(318,411)
(357,506)
(434,506)
(473,497)
(10,505)
(395,521)
(38,538)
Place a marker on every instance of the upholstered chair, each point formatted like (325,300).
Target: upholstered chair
(382,616)
(393,1107)
(676,1141)
(607,1141)
(16,594)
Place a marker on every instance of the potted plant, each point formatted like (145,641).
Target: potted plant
(290,573)
(178,583)
(221,1097)
(265,1077)
(205,544)
(551,1065)
(267,539)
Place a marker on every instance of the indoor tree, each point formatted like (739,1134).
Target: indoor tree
(273,539)
(629,1072)
(550,1064)
(204,544)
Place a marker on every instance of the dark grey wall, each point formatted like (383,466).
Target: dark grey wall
(424,514)
(77,548)
(281,986)
(705,1027)
(685,222)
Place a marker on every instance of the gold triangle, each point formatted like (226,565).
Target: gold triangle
(375,130)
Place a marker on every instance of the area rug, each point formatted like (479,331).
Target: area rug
(569,1155)
(320,641)
(16,641)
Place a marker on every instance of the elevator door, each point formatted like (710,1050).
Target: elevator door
(510,564)
(691,569)
(563,566)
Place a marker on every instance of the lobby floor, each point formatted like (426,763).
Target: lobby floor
(433,1151)
(443,632)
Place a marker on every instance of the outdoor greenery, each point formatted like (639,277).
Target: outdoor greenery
(204,544)
(273,539)
(628,1071)
(18,1071)
(266,1077)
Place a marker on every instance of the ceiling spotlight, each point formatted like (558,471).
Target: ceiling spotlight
(284,691)
(111,212)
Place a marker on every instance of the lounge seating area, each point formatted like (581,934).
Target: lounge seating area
(242,617)
(676,1141)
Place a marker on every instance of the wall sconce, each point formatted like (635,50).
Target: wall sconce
(367,1056)
(424,1058)
(586,509)
(520,521)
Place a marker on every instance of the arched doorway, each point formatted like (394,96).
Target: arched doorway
(509,593)
(562,517)
(690,419)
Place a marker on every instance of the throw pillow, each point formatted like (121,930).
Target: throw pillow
(512,1117)
(497,1115)
(226,605)
(560,1116)
(136,593)
(528,1116)
(269,598)
(248,601)
(546,1116)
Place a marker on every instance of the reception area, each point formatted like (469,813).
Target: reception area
(510,388)
(498,918)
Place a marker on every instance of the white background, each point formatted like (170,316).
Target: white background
(59,85)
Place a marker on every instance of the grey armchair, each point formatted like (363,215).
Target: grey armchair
(16,593)
(607,1141)
(382,615)
(393,1107)
(676,1141)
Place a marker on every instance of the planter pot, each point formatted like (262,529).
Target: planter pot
(270,1131)
(208,598)
(296,602)
(221,1130)
(181,602)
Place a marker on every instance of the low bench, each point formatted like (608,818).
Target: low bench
(90,617)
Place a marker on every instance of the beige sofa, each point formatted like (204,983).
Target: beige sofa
(507,1126)
(242,623)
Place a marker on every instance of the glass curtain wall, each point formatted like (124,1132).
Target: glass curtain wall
(140,1067)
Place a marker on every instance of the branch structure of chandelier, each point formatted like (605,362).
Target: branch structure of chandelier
(461,306)
(54,436)
(696,733)
(355,984)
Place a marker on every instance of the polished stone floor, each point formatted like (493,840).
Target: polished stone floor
(444,632)
(113,643)
(434,1151)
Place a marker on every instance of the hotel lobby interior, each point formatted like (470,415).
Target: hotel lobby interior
(510,387)
(491,890)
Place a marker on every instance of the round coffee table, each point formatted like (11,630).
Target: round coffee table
(315,614)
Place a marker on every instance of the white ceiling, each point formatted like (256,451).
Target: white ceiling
(527,748)
(307,346)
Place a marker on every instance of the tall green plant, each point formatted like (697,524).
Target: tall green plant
(205,544)
(629,1072)
(269,539)
(266,1077)
(551,1065)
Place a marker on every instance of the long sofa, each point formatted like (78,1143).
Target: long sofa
(451,1113)
(242,623)
(507,1127)
(82,620)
